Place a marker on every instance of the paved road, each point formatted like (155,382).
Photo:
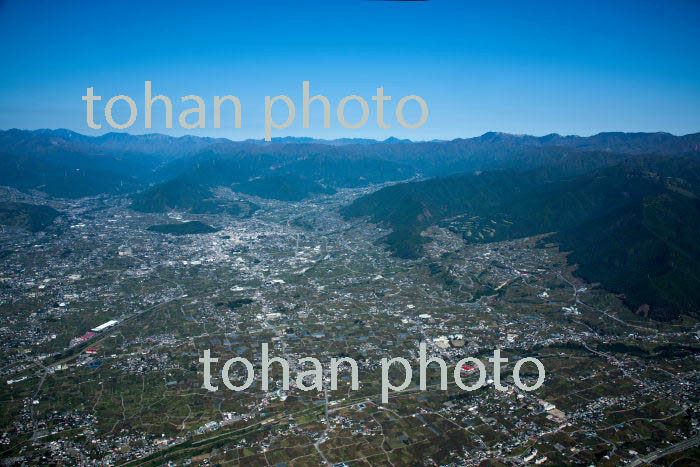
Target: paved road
(678,447)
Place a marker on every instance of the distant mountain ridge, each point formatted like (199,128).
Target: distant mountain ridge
(109,144)
(330,142)
(68,164)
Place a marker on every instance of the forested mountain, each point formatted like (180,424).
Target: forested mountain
(624,204)
(181,195)
(27,172)
(27,216)
(631,226)
(282,187)
(50,160)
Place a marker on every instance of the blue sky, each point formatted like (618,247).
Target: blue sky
(521,67)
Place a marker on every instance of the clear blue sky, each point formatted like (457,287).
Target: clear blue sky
(572,67)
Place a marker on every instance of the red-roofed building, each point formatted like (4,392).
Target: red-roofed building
(79,340)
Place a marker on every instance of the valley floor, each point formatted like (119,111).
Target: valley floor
(619,389)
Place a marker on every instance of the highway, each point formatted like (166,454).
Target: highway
(678,447)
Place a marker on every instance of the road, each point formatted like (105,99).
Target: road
(678,447)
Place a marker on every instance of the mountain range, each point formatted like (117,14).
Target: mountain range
(625,205)
(631,225)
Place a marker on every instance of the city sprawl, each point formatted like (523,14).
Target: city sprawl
(103,323)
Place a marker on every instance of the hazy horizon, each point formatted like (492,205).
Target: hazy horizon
(351,137)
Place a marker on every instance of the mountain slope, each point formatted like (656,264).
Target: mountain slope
(25,172)
(633,226)
(181,195)
(67,164)
(647,251)
(31,217)
(282,188)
